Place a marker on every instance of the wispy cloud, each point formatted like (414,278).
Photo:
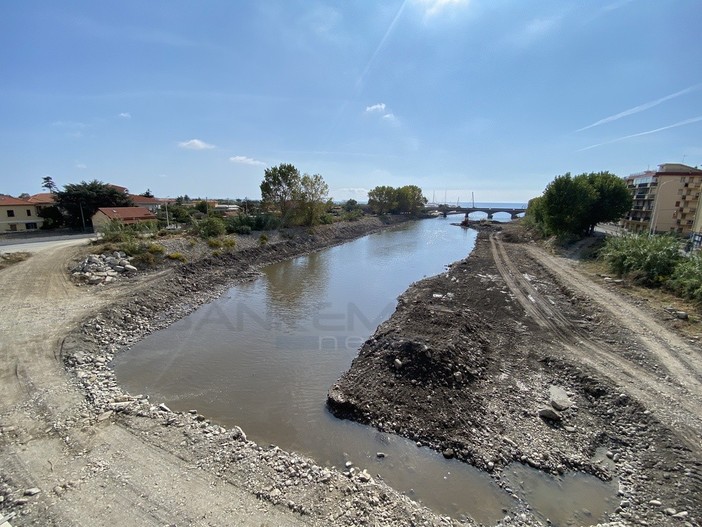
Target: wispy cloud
(434,7)
(81,166)
(380,107)
(243,160)
(125,115)
(648,132)
(195,144)
(641,107)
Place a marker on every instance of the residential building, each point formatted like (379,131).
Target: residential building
(153,204)
(125,215)
(18,215)
(665,200)
(43,200)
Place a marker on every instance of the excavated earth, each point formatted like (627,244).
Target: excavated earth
(515,355)
(474,362)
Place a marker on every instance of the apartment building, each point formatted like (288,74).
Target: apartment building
(666,200)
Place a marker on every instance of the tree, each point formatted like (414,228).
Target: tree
(79,201)
(382,199)
(351,205)
(567,205)
(613,198)
(280,186)
(24,195)
(48,184)
(147,194)
(311,199)
(52,217)
(410,199)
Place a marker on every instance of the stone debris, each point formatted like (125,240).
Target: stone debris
(97,269)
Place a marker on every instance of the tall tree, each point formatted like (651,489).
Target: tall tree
(567,204)
(280,186)
(79,201)
(410,199)
(48,184)
(311,198)
(147,194)
(613,198)
(382,199)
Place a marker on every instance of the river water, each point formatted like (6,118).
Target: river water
(263,356)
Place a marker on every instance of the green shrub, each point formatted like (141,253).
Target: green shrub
(243,229)
(145,259)
(156,249)
(229,243)
(210,227)
(686,280)
(263,239)
(649,260)
(214,243)
(176,256)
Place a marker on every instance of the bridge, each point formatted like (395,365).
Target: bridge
(490,211)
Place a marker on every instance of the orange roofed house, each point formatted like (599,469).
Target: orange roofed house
(18,215)
(125,215)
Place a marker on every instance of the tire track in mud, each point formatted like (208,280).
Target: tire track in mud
(673,404)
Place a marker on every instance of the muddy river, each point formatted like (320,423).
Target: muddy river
(263,356)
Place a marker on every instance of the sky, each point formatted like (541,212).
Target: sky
(468,99)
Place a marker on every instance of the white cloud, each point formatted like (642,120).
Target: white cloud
(390,117)
(195,144)
(380,107)
(433,7)
(125,115)
(243,160)
(82,166)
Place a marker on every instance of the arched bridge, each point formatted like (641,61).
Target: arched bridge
(490,211)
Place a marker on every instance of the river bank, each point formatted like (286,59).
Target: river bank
(491,363)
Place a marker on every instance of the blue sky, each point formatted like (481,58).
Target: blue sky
(491,97)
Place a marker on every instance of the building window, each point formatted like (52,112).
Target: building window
(10,213)
(13,227)
(31,226)
(29,212)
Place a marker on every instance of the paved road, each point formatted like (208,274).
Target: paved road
(45,242)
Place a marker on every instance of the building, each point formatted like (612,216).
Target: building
(666,200)
(125,215)
(42,200)
(18,215)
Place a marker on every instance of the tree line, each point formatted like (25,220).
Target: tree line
(288,198)
(574,205)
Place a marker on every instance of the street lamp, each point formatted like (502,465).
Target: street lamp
(654,215)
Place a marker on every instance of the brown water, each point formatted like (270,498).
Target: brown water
(264,355)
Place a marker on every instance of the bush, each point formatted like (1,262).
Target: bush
(649,260)
(156,249)
(229,243)
(243,229)
(176,256)
(214,243)
(686,280)
(210,227)
(263,239)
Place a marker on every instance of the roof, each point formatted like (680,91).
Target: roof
(677,168)
(42,198)
(144,199)
(117,187)
(9,201)
(127,213)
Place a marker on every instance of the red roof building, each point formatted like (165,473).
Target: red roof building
(126,215)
